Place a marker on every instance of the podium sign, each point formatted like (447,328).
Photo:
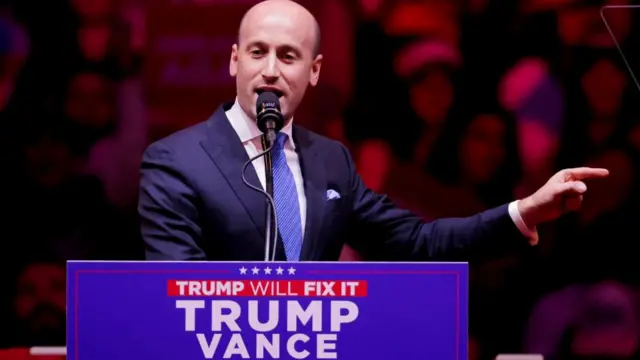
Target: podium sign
(258,310)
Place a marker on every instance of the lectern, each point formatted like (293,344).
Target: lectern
(260,310)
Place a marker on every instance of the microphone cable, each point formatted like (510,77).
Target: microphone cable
(267,246)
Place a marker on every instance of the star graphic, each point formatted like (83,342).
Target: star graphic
(292,271)
(255,271)
(279,270)
(267,270)
(243,271)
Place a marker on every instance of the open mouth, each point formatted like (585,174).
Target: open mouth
(278,93)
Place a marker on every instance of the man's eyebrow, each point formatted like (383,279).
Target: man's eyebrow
(285,47)
(253,43)
(293,48)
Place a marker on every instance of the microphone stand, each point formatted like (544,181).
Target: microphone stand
(272,217)
(269,223)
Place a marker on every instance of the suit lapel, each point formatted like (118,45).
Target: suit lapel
(315,185)
(227,152)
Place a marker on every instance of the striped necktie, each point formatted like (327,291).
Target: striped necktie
(285,196)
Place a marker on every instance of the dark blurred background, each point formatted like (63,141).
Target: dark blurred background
(448,106)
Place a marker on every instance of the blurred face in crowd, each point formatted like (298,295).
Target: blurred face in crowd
(49,161)
(334,129)
(582,25)
(482,150)
(373,162)
(276,52)
(604,86)
(432,96)
(88,9)
(90,100)
(370,7)
(612,192)
(94,41)
(574,24)
(40,302)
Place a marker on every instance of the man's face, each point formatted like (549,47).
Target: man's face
(276,53)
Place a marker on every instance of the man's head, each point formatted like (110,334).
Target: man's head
(277,50)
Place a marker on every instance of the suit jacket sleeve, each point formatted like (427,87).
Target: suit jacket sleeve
(383,230)
(168,209)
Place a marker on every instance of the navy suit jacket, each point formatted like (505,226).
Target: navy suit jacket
(194,205)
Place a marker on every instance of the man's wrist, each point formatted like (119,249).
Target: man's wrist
(526,211)
(530,232)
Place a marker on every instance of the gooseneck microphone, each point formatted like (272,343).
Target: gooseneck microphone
(270,121)
(269,117)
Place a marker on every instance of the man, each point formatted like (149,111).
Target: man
(195,206)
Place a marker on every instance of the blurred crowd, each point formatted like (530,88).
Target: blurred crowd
(448,106)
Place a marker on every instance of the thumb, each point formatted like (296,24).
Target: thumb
(572,187)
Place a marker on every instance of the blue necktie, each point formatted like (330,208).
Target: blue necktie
(285,196)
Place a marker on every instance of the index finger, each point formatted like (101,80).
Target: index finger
(586,172)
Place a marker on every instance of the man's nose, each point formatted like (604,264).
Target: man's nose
(270,70)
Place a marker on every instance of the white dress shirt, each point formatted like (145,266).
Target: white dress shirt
(249,135)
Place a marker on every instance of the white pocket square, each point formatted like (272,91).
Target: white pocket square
(332,195)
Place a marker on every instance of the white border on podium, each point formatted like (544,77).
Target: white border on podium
(45,350)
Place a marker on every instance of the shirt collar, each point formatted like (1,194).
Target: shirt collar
(247,129)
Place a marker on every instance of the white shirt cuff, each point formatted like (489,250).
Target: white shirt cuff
(529,233)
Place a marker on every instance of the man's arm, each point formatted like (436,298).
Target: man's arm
(402,235)
(167,209)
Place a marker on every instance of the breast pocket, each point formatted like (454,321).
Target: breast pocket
(336,205)
(337,214)
(336,222)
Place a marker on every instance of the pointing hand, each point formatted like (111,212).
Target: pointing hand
(561,194)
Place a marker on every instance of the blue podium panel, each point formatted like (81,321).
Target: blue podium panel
(258,310)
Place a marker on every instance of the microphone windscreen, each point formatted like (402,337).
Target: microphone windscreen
(268,112)
(267,100)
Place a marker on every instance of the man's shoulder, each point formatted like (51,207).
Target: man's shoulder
(182,149)
(189,138)
(183,138)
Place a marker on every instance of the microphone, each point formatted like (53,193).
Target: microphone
(270,121)
(269,117)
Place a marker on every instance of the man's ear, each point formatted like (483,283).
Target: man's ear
(315,70)
(233,62)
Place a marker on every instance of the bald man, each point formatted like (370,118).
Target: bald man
(194,205)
